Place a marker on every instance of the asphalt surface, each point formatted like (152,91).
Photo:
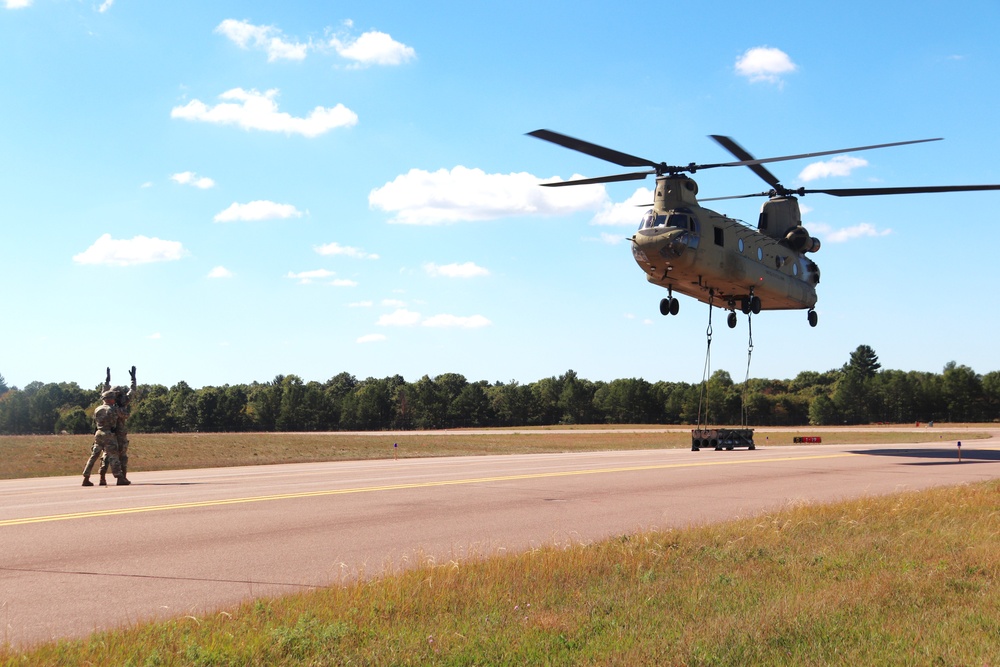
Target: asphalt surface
(176,543)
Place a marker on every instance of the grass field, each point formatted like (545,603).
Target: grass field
(52,455)
(907,579)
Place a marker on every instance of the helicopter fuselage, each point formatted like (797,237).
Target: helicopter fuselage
(695,251)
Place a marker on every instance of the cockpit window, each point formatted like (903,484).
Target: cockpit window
(677,220)
(651,220)
(647,220)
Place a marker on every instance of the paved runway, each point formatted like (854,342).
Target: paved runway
(76,559)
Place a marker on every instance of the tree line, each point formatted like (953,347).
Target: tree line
(860,392)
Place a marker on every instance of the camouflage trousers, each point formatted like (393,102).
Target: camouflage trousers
(108,444)
(122,441)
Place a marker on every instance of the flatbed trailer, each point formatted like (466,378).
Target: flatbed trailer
(721,438)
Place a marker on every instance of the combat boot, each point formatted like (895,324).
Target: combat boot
(104,480)
(122,481)
(86,481)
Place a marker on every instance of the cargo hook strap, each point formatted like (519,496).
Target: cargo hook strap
(746,380)
(703,399)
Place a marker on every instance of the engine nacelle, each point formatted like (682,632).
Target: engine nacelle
(798,239)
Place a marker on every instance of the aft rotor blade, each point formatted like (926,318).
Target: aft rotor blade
(744,155)
(803,156)
(863,192)
(600,152)
(634,176)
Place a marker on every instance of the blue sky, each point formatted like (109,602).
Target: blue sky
(223,192)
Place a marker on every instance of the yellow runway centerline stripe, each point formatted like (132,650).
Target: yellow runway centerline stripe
(395,487)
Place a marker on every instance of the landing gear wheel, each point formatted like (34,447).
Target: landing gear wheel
(669,306)
(813,318)
(731,320)
(755,304)
(745,305)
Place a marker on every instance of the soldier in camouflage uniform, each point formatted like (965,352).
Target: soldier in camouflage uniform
(105,439)
(124,397)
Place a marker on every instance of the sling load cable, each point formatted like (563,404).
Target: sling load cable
(746,380)
(708,363)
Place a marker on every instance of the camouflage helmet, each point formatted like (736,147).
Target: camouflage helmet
(110,393)
(121,395)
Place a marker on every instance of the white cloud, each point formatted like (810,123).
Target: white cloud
(466,270)
(344,282)
(191,178)
(154,336)
(105,6)
(400,318)
(373,48)
(253,110)
(454,321)
(764,63)
(408,318)
(628,212)
(137,250)
(442,197)
(220,272)
(337,249)
(257,210)
(371,338)
(263,37)
(841,165)
(860,230)
(393,303)
(17,4)
(306,277)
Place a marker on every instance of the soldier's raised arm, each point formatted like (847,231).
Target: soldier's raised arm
(107,380)
(131,391)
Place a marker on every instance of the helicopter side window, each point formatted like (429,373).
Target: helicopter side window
(676,220)
(719,239)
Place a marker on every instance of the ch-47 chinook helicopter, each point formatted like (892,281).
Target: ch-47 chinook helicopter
(723,262)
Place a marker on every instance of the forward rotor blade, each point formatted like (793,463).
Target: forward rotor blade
(756,194)
(743,154)
(864,192)
(634,176)
(600,152)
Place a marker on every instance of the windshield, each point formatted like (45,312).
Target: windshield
(650,220)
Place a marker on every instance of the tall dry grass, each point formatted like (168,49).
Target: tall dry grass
(52,455)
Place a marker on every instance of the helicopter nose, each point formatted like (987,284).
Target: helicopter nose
(664,243)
